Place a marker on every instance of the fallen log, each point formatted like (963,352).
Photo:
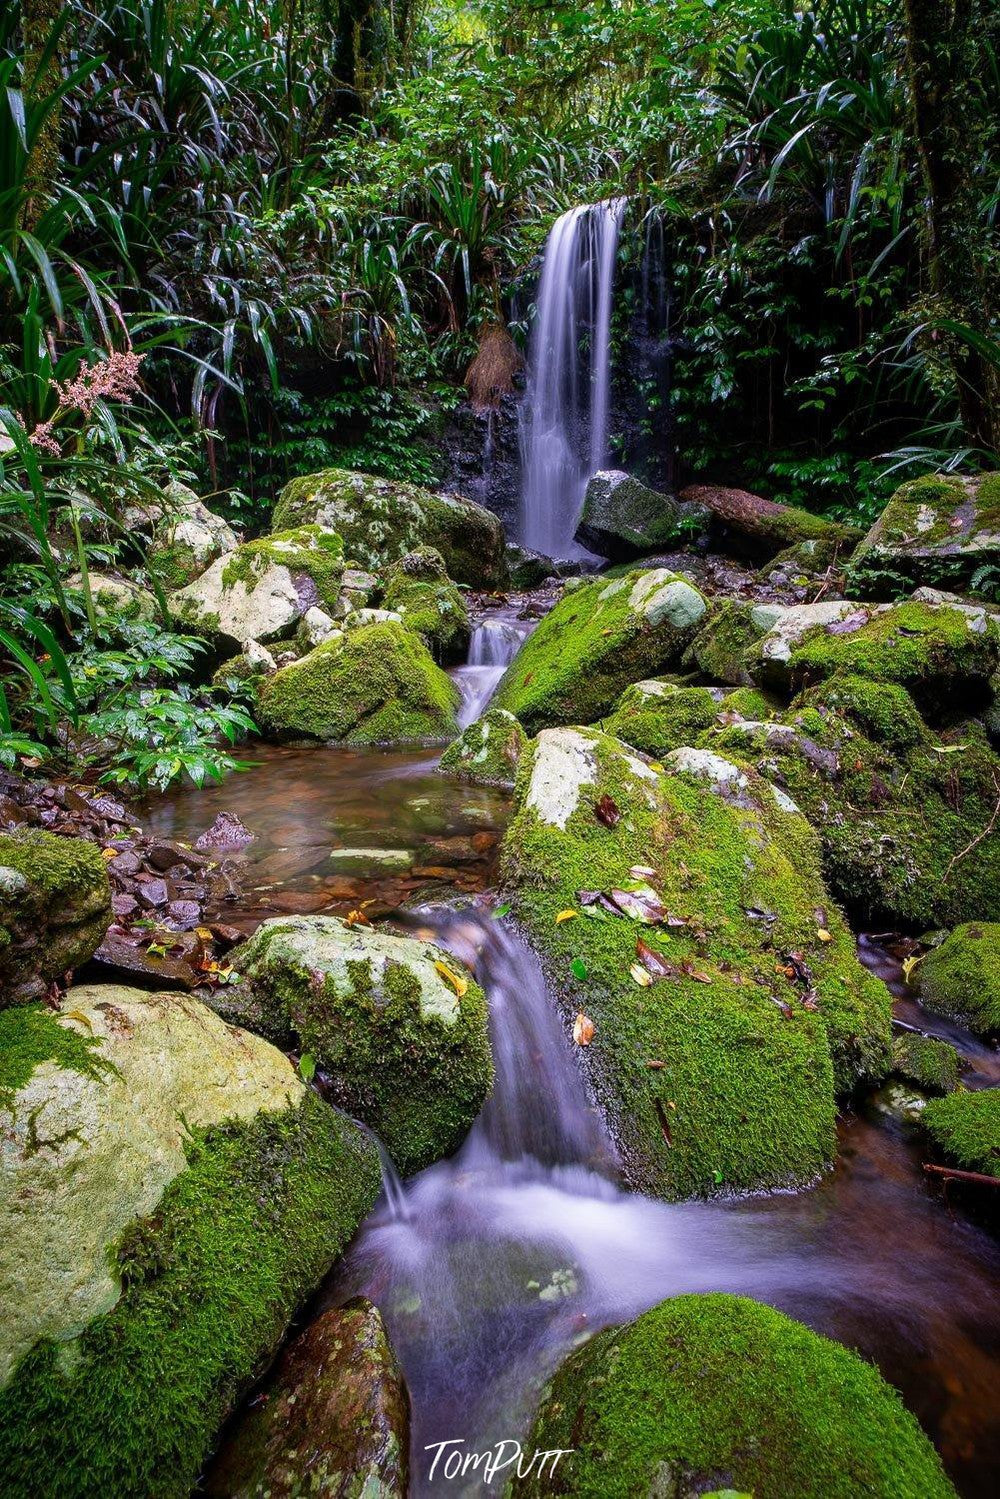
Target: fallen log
(768,527)
(951,1173)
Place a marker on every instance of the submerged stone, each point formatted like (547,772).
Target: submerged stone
(55,907)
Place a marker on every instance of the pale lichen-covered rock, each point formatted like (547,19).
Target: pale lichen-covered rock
(940,530)
(170,1194)
(623,518)
(243,674)
(381,520)
(262,590)
(334,1419)
(55,907)
(703,879)
(487,751)
(117,597)
(187,538)
(418,588)
(382,1015)
(600,637)
(314,627)
(373,684)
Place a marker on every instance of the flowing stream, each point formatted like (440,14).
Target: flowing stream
(564,413)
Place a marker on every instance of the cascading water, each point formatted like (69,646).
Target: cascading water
(494,644)
(564,414)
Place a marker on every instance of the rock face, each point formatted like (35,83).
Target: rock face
(600,637)
(966,1129)
(262,590)
(938,531)
(170,1194)
(718,1393)
(488,751)
(188,538)
(55,906)
(375,684)
(721,1073)
(418,589)
(334,1423)
(383,1017)
(381,520)
(961,977)
(622,518)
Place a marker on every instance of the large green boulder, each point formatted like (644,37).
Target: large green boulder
(383,519)
(722,983)
(374,684)
(487,752)
(397,1025)
(262,590)
(623,518)
(961,977)
(657,717)
(170,1194)
(940,531)
(719,1395)
(966,1129)
(721,644)
(55,907)
(599,638)
(418,589)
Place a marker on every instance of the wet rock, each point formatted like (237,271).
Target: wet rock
(623,518)
(936,531)
(332,1420)
(487,752)
(383,1017)
(383,519)
(528,569)
(418,589)
(961,976)
(965,1127)
(934,1066)
(55,906)
(122,960)
(734,1398)
(227,832)
(315,626)
(369,860)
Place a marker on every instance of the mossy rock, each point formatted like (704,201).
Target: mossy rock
(722,1074)
(187,539)
(898,822)
(719,1393)
(883,711)
(376,684)
(243,675)
(172,1194)
(966,1129)
(623,518)
(961,977)
(936,531)
(657,717)
(935,1066)
(383,519)
(55,907)
(487,752)
(403,1050)
(262,590)
(418,588)
(596,641)
(115,597)
(719,649)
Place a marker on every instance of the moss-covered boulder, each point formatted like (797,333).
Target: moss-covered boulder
(599,638)
(117,597)
(719,1394)
(935,1066)
(170,1195)
(961,977)
(376,684)
(488,751)
(623,518)
(334,1420)
(418,588)
(55,907)
(262,590)
(727,1001)
(657,717)
(398,1026)
(936,531)
(966,1129)
(243,674)
(721,644)
(187,539)
(383,519)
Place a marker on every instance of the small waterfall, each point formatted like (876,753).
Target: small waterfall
(493,646)
(564,419)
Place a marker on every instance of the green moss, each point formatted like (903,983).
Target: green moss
(883,711)
(966,1128)
(210,1282)
(488,751)
(55,906)
(307,549)
(175,564)
(961,977)
(377,684)
(597,640)
(932,1065)
(747,702)
(718,1392)
(657,717)
(747,1081)
(419,589)
(720,646)
(30,1035)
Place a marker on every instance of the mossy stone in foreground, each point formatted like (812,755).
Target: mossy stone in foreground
(487,752)
(377,684)
(657,717)
(55,906)
(748,1043)
(966,1128)
(597,640)
(382,1016)
(961,977)
(719,1393)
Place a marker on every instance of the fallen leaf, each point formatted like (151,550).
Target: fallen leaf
(656,765)
(566,915)
(457,982)
(910,965)
(642,904)
(824,935)
(578,969)
(641,872)
(655,1066)
(79,1015)
(109,854)
(661,1115)
(357,918)
(204,933)
(499,911)
(948,749)
(583,1029)
(691,972)
(642,975)
(653,961)
(307,1066)
(607,811)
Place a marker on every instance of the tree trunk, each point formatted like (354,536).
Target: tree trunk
(768,526)
(41,76)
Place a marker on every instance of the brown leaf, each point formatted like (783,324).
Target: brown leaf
(664,1122)
(691,972)
(642,904)
(608,811)
(583,1029)
(654,961)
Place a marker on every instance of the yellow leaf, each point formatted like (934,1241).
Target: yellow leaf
(566,915)
(204,933)
(910,965)
(109,854)
(824,935)
(79,1015)
(641,975)
(583,1029)
(655,765)
(948,749)
(457,982)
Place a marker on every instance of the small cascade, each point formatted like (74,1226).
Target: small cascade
(564,414)
(494,644)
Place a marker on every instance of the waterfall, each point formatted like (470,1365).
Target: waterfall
(564,414)
(494,644)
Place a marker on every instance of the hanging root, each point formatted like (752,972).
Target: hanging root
(490,376)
